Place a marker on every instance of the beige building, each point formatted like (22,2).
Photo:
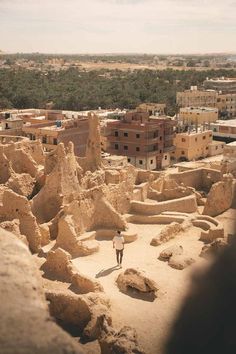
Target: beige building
(196,98)
(152,108)
(192,146)
(223,97)
(198,115)
(53,133)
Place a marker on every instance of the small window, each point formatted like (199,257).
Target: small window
(160,137)
(125,147)
(182,152)
(44,140)
(116,146)
(151,162)
(140,162)
(207,148)
(137,148)
(116,133)
(210,135)
(216,147)
(126,134)
(128,160)
(204,137)
(160,151)
(54,141)
(183,140)
(195,139)
(137,136)
(165,157)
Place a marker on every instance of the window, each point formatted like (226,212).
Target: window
(140,162)
(125,147)
(116,133)
(128,160)
(210,135)
(116,146)
(126,134)
(137,148)
(44,140)
(182,152)
(216,147)
(195,139)
(160,151)
(183,140)
(137,135)
(151,162)
(160,137)
(54,141)
(165,157)
(207,148)
(204,137)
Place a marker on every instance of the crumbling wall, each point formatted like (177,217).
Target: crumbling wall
(15,206)
(220,197)
(93,148)
(61,186)
(200,178)
(25,319)
(186,204)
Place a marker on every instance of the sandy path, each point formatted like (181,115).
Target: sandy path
(151,319)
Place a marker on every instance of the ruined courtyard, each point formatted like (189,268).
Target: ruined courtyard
(58,216)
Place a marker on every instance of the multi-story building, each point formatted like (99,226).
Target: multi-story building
(193,145)
(142,139)
(196,98)
(53,133)
(198,115)
(223,85)
(222,95)
(224,130)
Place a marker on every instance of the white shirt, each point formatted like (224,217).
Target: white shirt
(119,241)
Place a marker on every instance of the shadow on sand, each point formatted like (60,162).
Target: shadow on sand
(150,297)
(105,272)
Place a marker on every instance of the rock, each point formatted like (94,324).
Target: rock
(180,262)
(135,279)
(13,226)
(214,248)
(84,284)
(58,266)
(22,184)
(220,197)
(83,311)
(167,253)
(26,326)
(167,233)
(121,342)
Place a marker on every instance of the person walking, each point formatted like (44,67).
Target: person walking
(118,244)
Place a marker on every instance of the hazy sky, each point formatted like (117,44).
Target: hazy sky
(98,26)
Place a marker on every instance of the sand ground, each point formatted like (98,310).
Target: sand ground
(152,320)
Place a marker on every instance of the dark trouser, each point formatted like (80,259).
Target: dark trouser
(119,256)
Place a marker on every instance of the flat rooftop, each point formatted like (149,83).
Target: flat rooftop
(229,123)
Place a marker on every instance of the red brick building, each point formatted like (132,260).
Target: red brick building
(146,141)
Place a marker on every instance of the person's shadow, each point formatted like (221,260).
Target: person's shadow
(105,272)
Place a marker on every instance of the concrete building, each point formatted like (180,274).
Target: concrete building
(11,126)
(53,133)
(152,108)
(222,97)
(223,85)
(192,145)
(196,98)
(142,139)
(224,130)
(198,115)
